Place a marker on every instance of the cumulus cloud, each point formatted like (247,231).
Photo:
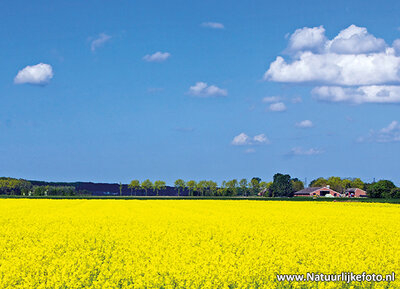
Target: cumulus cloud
(337,69)
(39,74)
(202,89)
(354,66)
(278,106)
(272,99)
(311,39)
(352,40)
(358,95)
(305,124)
(244,139)
(396,46)
(241,139)
(355,40)
(390,133)
(157,57)
(99,41)
(213,25)
(298,151)
(260,138)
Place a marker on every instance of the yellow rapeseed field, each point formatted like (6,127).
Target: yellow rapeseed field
(193,243)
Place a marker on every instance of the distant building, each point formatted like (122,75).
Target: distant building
(317,191)
(355,193)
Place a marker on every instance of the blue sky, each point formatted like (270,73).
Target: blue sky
(118,90)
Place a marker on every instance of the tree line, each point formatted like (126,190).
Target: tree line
(282,185)
(11,186)
(234,187)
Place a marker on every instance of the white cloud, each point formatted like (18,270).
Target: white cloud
(298,151)
(241,139)
(355,40)
(391,133)
(337,69)
(244,139)
(396,46)
(305,124)
(311,39)
(354,66)
(39,74)
(352,40)
(202,89)
(214,25)
(260,138)
(278,106)
(272,99)
(99,41)
(358,95)
(157,57)
(394,126)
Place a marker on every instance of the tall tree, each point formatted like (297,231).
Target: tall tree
(223,184)
(134,185)
(120,188)
(281,186)
(212,187)
(263,185)
(255,185)
(336,184)
(24,186)
(223,190)
(297,185)
(146,185)
(243,187)
(159,186)
(202,187)
(394,194)
(380,189)
(179,185)
(232,186)
(346,183)
(357,183)
(191,186)
(320,182)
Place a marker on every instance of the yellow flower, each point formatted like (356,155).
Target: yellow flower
(193,243)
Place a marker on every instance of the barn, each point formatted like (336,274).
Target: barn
(355,193)
(316,191)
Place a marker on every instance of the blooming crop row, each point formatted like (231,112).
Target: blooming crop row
(193,243)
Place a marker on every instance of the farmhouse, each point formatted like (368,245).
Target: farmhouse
(316,191)
(355,193)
